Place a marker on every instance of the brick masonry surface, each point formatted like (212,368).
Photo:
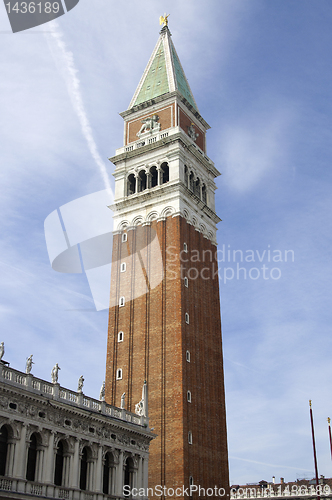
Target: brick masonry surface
(155,344)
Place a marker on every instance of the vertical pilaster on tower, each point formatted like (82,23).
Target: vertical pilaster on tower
(164,322)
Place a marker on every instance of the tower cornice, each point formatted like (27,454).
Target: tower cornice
(179,137)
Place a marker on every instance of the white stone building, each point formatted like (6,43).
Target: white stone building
(56,443)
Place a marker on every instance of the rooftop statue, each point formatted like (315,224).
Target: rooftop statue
(55,373)
(102,392)
(29,364)
(164,19)
(80,384)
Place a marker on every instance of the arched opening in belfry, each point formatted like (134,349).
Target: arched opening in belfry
(131,184)
(197,187)
(59,458)
(142,180)
(191,182)
(128,475)
(108,473)
(164,172)
(186,176)
(154,176)
(3,449)
(204,197)
(32,458)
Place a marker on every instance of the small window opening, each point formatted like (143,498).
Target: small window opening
(13,406)
(124,237)
(131,184)
(142,180)
(185,247)
(120,337)
(123,267)
(186,282)
(197,188)
(191,182)
(187,318)
(121,301)
(190,437)
(204,198)
(119,374)
(188,356)
(154,176)
(164,173)
(186,176)
(189,396)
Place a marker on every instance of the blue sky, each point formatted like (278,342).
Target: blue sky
(261,75)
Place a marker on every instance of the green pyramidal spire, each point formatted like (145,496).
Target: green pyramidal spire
(163,74)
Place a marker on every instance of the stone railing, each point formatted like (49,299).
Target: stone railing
(28,488)
(151,138)
(282,491)
(28,382)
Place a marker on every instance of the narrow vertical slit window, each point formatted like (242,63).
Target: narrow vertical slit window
(190,437)
(189,396)
(119,374)
(185,247)
(188,356)
(123,267)
(120,337)
(187,318)
(124,237)
(186,282)
(121,301)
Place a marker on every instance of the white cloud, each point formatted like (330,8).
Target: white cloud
(253,147)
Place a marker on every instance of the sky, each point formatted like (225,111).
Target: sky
(260,71)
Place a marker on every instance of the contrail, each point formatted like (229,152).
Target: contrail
(269,465)
(69,71)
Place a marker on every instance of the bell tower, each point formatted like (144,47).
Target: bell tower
(164,320)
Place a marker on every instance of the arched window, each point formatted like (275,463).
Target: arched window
(204,198)
(108,474)
(128,474)
(84,469)
(191,182)
(197,187)
(131,184)
(58,465)
(164,173)
(142,180)
(154,176)
(32,458)
(3,449)
(186,176)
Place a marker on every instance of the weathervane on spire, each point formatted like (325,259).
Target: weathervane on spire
(164,19)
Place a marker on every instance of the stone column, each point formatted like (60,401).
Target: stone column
(148,180)
(159,175)
(49,461)
(136,183)
(119,476)
(75,469)
(21,455)
(99,470)
(90,468)
(139,473)
(12,444)
(145,473)
(39,464)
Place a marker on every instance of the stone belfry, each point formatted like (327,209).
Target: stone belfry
(164,321)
